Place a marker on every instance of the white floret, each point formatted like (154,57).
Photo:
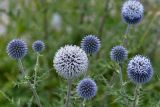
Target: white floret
(70,61)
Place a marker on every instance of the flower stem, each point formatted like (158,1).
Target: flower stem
(68,93)
(29,84)
(136,96)
(84,102)
(36,69)
(125,41)
(121,76)
(122,84)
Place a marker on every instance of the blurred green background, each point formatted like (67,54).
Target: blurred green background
(60,22)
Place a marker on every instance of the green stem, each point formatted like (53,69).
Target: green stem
(6,96)
(136,96)
(125,41)
(90,56)
(29,84)
(127,30)
(30,102)
(84,103)
(122,84)
(36,69)
(68,93)
(121,76)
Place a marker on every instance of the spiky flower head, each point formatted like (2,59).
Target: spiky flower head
(118,54)
(87,88)
(70,62)
(38,46)
(140,69)
(17,48)
(132,11)
(90,44)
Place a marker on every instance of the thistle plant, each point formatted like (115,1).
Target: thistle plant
(17,49)
(70,62)
(132,13)
(90,44)
(139,71)
(119,54)
(86,89)
(37,46)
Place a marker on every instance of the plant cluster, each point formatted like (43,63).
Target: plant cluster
(72,62)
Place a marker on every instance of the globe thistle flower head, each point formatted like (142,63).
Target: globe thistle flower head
(132,11)
(139,69)
(86,88)
(38,46)
(70,62)
(90,44)
(118,54)
(17,49)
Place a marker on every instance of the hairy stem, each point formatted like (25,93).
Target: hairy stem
(36,69)
(122,84)
(136,96)
(30,102)
(121,76)
(29,84)
(125,41)
(68,93)
(6,96)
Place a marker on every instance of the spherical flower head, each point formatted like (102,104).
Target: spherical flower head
(17,48)
(90,44)
(38,46)
(87,88)
(140,69)
(70,62)
(132,11)
(118,54)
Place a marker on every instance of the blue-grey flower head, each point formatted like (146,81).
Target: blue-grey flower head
(140,69)
(90,44)
(70,62)
(132,11)
(38,46)
(17,48)
(86,88)
(118,54)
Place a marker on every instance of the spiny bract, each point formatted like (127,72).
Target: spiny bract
(17,48)
(87,88)
(140,69)
(38,46)
(70,61)
(132,11)
(90,44)
(118,54)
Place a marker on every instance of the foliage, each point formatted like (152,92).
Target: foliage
(33,20)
